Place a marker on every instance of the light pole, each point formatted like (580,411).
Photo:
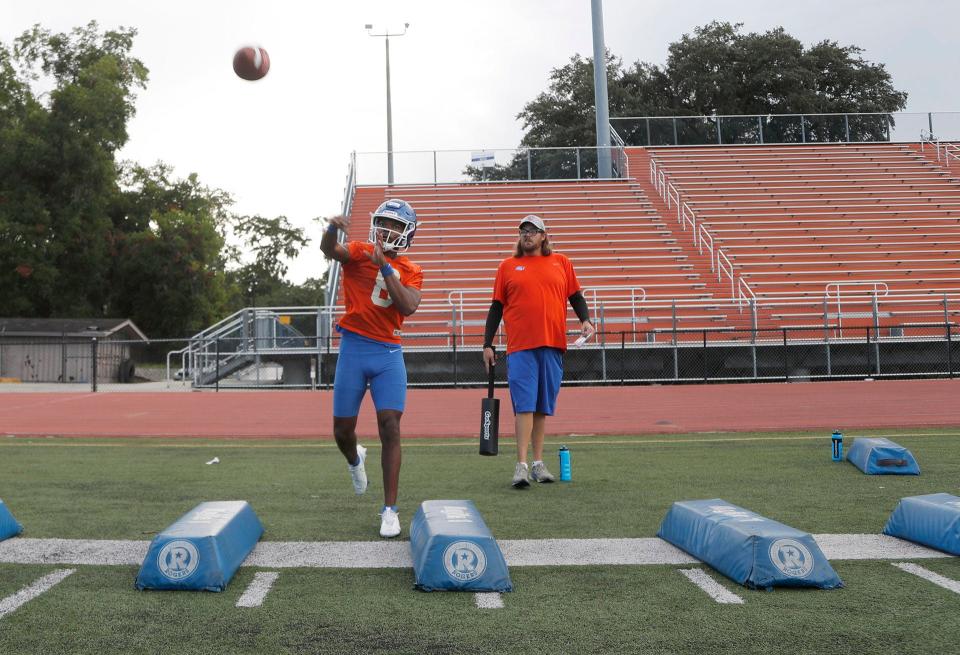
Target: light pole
(387,35)
(604,167)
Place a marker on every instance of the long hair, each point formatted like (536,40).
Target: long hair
(545,247)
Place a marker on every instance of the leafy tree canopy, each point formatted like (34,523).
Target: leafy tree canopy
(82,235)
(271,241)
(716,70)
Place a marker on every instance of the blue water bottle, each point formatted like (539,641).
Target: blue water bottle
(837,440)
(564,464)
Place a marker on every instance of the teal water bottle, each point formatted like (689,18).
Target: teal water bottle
(836,439)
(564,464)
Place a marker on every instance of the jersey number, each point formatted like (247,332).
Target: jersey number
(380,296)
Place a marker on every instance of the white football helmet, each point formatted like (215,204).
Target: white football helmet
(394,240)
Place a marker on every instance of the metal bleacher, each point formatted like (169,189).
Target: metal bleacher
(827,235)
(873,228)
(710,267)
(627,259)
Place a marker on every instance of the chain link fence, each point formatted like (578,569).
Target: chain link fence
(914,350)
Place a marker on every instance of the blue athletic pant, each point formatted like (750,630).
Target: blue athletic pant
(366,362)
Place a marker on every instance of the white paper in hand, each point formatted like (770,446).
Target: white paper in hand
(579,342)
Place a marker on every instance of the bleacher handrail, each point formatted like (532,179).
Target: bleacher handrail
(688,217)
(619,159)
(334,270)
(722,257)
(877,286)
(706,237)
(637,296)
(743,291)
(950,150)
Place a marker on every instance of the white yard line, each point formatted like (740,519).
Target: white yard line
(712,588)
(332,554)
(259,588)
(929,575)
(28,593)
(396,554)
(872,546)
(577,552)
(488,601)
(21,550)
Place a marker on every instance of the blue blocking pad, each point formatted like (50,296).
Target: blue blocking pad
(9,527)
(932,520)
(202,549)
(878,456)
(749,549)
(454,550)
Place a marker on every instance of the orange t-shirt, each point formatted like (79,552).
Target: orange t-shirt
(534,292)
(368,307)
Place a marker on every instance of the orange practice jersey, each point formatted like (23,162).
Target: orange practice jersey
(534,293)
(368,307)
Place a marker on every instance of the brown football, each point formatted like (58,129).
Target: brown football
(251,63)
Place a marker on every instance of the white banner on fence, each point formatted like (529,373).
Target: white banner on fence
(482,157)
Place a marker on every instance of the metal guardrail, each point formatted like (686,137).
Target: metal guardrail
(760,129)
(247,337)
(503,164)
(579,162)
(334,269)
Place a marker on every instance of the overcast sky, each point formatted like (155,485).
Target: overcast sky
(459,76)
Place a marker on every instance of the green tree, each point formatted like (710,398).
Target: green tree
(83,235)
(272,242)
(717,70)
(57,170)
(169,253)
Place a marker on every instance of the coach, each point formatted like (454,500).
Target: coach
(530,294)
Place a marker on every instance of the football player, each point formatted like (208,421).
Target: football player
(381,287)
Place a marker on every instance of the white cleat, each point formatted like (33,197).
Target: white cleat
(389,523)
(358,473)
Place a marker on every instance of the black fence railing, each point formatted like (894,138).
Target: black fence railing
(913,350)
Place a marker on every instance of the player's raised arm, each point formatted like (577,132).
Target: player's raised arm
(329,245)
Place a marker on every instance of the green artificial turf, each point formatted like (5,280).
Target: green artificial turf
(622,487)
(616,609)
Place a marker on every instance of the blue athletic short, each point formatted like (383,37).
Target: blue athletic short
(363,362)
(534,377)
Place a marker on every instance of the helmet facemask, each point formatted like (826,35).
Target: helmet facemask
(397,236)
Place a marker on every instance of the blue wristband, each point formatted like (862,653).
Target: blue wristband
(386,270)
(332,228)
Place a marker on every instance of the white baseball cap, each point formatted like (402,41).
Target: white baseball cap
(535,221)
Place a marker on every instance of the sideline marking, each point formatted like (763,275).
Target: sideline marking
(283,443)
(258,589)
(488,601)
(712,588)
(396,554)
(929,576)
(28,593)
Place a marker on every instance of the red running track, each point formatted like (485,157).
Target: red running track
(455,412)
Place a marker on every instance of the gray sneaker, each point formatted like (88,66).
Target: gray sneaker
(539,473)
(520,476)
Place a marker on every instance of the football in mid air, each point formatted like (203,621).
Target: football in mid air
(251,63)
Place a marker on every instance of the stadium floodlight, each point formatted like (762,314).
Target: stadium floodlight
(387,34)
